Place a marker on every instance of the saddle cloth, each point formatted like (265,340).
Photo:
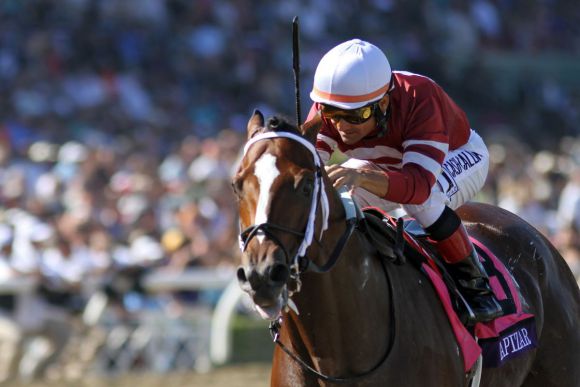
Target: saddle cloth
(498,341)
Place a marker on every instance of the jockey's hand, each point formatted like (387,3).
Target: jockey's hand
(341,176)
(376,182)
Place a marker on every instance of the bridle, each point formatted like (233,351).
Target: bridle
(300,263)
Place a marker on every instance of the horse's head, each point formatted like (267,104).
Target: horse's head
(278,185)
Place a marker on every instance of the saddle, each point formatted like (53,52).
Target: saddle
(499,340)
(390,237)
(388,243)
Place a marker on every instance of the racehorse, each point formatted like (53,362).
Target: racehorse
(348,316)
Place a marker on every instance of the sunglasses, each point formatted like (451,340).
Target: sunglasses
(353,116)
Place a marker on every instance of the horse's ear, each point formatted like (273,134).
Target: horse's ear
(311,128)
(255,123)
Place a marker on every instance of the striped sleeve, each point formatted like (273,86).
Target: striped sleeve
(425,146)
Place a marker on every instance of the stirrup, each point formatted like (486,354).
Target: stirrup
(488,314)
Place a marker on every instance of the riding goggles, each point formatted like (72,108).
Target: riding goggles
(353,116)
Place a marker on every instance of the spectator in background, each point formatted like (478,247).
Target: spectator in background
(569,201)
(62,273)
(567,238)
(567,241)
(11,335)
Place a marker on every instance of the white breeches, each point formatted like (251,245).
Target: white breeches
(462,176)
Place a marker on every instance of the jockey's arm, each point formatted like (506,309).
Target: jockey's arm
(376,182)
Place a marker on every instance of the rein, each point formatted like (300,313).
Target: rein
(275,333)
(304,264)
(301,263)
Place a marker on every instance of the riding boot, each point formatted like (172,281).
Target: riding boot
(464,266)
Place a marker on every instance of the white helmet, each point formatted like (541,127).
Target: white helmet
(352,74)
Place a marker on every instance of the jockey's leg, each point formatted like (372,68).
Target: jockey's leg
(452,242)
(463,175)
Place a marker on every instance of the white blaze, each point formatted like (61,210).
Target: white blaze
(266,172)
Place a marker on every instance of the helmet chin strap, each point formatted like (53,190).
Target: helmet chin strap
(382,122)
(382,118)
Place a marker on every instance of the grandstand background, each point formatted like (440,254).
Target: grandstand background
(120,123)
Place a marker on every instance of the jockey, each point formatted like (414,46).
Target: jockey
(409,145)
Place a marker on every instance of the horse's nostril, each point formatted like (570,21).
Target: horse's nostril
(241,274)
(279,273)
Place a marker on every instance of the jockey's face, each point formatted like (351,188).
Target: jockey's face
(351,133)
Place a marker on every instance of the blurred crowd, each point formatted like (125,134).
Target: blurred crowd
(121,121)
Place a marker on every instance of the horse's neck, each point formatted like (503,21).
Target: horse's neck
(339,309)
(356,266)
(357,274)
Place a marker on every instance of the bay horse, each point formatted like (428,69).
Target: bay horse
(347,316)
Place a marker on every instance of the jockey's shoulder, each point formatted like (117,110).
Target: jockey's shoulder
(415,85)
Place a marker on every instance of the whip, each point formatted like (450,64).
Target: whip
(296,67)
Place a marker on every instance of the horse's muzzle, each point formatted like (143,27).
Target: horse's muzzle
(251,278)
(264,284)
